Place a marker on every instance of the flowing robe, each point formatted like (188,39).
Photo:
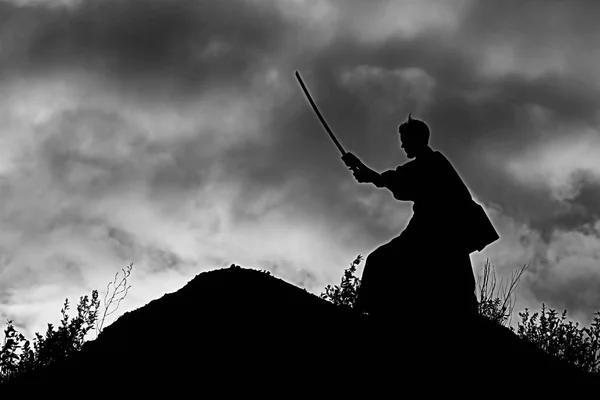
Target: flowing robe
(428,264)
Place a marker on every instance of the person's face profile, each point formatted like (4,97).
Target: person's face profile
(407,145)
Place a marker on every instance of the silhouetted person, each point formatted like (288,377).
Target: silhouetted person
(425,273)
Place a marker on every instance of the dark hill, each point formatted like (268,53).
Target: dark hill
(242,331)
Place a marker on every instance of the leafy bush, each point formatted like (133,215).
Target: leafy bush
(563,339)
(58,343)
(345,294)
(17,355)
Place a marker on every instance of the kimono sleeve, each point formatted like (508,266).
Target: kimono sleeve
(401,182)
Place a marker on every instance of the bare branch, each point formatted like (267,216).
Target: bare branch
(119,293)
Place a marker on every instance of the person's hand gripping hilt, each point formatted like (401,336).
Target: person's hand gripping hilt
(359,170)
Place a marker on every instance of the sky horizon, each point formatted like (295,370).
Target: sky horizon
(172,134)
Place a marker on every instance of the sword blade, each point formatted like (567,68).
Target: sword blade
(323,122)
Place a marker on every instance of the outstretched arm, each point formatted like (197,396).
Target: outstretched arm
(398,181)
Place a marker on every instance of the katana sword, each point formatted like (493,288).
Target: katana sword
(314,106)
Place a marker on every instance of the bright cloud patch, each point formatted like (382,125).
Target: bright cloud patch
(559,165)
(505,58)
(381,20)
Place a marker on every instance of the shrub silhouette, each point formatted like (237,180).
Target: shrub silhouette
(563,339)
(17,355)
(346,293)
(58,343)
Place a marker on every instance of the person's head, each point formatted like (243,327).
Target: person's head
(414,135)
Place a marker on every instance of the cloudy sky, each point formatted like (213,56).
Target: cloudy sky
(172,134)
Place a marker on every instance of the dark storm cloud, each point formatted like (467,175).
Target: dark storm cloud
(128,247)
(588,201)
(91,152)
(181,43)
(150,44)
(576,214)
(160,259)
(124,244)
(186,165)
(579,295)
(531,19)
